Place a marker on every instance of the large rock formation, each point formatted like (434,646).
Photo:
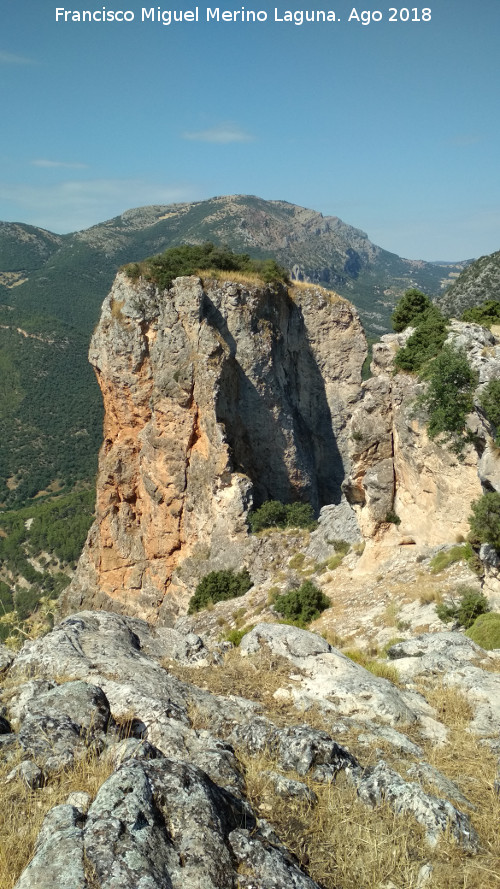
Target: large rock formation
(217,395)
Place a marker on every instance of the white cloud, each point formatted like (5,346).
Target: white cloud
(41,162)
(10,58)
(464,140)
(223,135)
(74,205)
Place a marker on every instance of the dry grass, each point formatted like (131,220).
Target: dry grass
(377,667)
(256,677)
(341,842)
(22,810)
(250,278)
(298,286)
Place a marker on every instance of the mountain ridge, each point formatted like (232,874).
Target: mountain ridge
(55,284)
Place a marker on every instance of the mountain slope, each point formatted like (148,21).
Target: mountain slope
(52,288)
(478,282)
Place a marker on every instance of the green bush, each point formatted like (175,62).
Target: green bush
(27,601)
(340,546)
(300,515)
(485,631)
(465,611)
(303,605)
(486,314)
(393,518)
(485,519)
(424,343)
(444,558)
(274,514)
(235,636)
(412,304)
(190,259)
(6,599)
(490,403)
(219,586)
(449,396)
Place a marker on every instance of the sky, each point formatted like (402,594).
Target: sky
(393,126)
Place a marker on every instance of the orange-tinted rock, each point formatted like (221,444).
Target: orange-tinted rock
(215,396)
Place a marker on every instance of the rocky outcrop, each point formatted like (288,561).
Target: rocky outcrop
(397,471)
(173,810)
(217,395)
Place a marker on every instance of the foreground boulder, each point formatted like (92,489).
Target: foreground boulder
(174,811)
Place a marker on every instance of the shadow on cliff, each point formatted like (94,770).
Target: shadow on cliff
(276,415)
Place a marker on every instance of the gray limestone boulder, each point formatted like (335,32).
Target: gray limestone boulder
(164,823)
(297,748)
(456,661)
(382,784)
(62,723)
(333,682)
(6,657)
(335,522)
(57,862)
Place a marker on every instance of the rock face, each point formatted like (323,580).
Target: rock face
(216,396)
(396,468)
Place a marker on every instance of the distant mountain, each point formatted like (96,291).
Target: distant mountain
(478,282)
(52,287)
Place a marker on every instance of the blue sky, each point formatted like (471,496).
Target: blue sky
(393,126)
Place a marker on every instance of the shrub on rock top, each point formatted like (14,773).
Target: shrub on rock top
(190,259)
(217,586)
(412,304)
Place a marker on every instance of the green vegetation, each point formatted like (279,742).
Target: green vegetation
(478,284)
(303,605)
(274,514)
(446,557)
(485,631)
(485,519)
(393,518)
(58,526)
(218,586)
(50,411)
(374,666)
(449,397)
(424,343)
(49,533)
(189,260)
(489,400)
(340,546)
(466,609)
(486,314)
(6,598)
(235,636)
(412,305)
(416,309)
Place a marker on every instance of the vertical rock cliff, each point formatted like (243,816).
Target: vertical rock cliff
(396,468)
(217,396)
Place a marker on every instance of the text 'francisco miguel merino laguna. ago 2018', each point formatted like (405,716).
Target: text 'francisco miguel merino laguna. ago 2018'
(197,14)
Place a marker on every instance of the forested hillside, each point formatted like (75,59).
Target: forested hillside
(52,287)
